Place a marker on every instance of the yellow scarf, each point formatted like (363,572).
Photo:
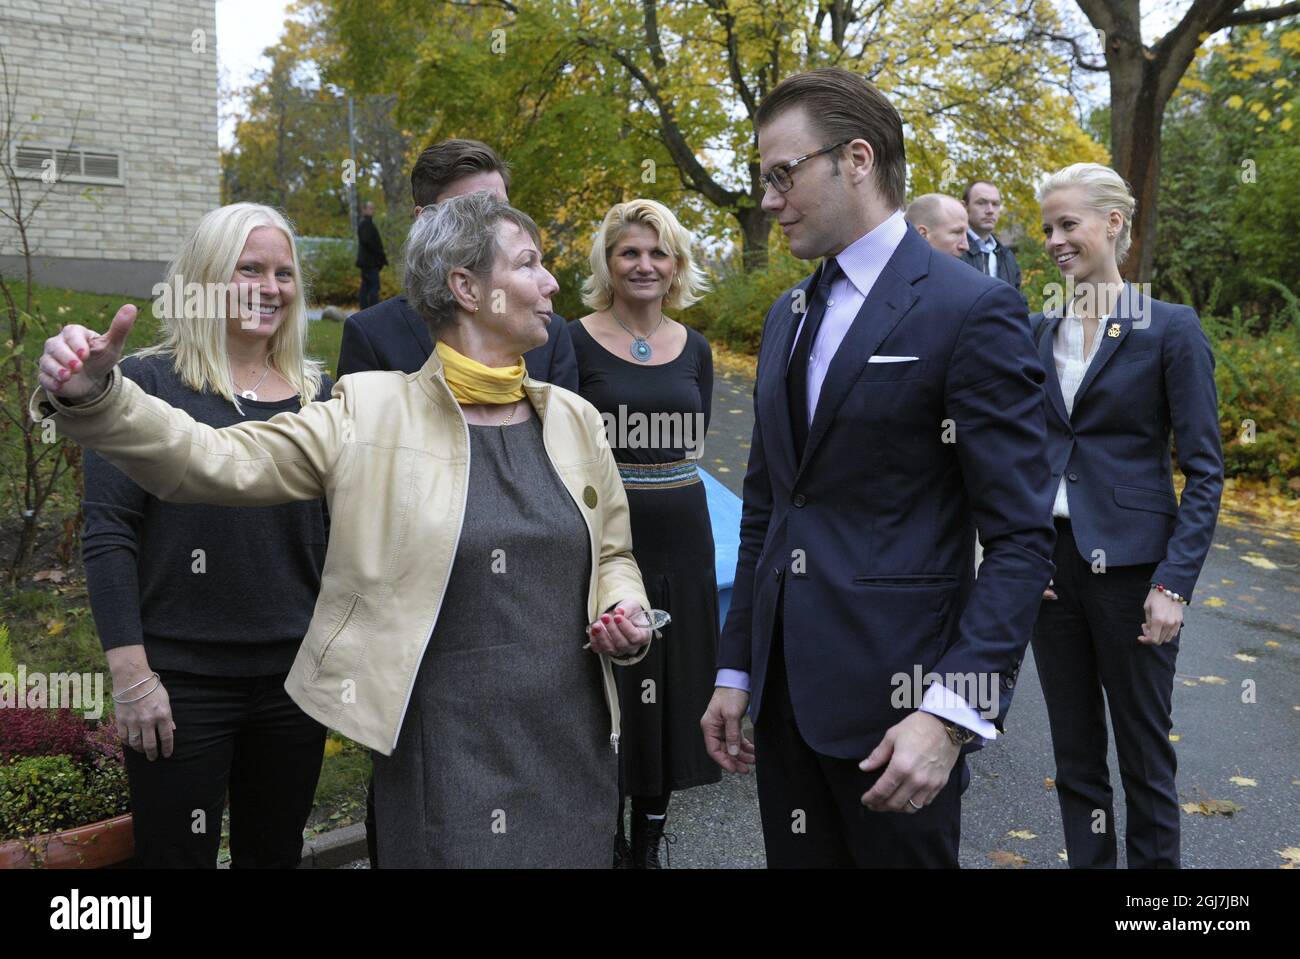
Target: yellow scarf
(472,382)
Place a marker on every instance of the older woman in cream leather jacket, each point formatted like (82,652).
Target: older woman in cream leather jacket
(462,631)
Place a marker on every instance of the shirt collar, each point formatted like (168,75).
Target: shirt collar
(863,260)
(986,246)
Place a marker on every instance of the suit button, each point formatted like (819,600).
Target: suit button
(1008,682)
(799,500)
(1073,477)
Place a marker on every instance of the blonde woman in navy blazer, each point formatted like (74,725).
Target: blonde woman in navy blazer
(1125,373)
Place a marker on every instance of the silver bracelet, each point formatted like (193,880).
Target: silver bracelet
(142,695)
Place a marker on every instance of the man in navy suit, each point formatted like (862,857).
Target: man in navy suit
(391,335)
(898,409)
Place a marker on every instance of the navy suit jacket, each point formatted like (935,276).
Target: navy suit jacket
(872,533)
(1153,373)
(392,336)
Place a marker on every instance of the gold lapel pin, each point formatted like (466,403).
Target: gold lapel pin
(1113,330)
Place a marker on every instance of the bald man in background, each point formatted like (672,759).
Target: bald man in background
(941,220)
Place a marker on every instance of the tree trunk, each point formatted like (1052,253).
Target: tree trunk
(1137,112)
(755,225)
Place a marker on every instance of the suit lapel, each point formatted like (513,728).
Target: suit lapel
(417,327)
(888,301)
(1048,357)
(778,404)
(1113,332)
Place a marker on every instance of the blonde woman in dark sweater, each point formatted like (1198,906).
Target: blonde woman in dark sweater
(201,609)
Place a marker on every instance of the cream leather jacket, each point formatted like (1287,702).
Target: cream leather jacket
(390,453)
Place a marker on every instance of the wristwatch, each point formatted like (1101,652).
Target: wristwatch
(958,735)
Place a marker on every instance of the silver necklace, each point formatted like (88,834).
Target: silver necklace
(639,349)
(510,415)
(252,394)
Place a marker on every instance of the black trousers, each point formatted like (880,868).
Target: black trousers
(369,294)
(811,804)
(242,736)
(1085,642)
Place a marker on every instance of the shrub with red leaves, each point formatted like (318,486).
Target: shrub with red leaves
(42,732)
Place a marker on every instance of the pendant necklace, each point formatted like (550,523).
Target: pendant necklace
(640,349)
(252,394)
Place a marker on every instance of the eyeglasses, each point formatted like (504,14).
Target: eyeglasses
(779,179)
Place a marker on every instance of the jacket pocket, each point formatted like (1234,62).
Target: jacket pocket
(892,372)
(335,633)
(1152,500)
(920,581)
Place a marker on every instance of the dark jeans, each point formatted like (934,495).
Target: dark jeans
(811,804)
(369,287)
(242,736)
(1085,642)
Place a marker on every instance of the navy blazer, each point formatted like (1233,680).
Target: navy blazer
(872,533)
(1153,372)
(392,336)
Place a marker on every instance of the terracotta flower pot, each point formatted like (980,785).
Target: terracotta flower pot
(95,846)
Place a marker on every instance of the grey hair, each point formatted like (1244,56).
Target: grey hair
(458,233)
(1104,190)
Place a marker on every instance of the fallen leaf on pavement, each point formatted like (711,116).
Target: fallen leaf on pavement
(1213,602)
(1049,783)
(1212,680)
(1002,858)
(1292,856)
(1259,561)
(1273,644)
(1213,807)
(1021,834)
(1174,737)
(1245,658)
(1242,781)
(1062,856)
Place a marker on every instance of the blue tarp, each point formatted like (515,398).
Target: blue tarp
(724,517)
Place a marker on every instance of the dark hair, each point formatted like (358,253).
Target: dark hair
(965,194)
(445,162)
(841,105)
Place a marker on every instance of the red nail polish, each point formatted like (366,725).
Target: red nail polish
(618,619)
(75,363)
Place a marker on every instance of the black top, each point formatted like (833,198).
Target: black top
(370,247)
(238,608)
(655,400)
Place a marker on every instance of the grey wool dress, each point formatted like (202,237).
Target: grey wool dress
(504,759)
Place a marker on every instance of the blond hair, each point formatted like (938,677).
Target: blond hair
(197,344)
(1104,191)
(689,282)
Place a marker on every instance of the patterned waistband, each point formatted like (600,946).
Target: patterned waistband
(658,475)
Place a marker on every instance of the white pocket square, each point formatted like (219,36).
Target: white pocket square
(892,359)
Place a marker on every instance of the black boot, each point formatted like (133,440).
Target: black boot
(622,851)
(646,835)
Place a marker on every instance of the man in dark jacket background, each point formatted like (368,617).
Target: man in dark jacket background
(391,335)
(987,253)
(370,256)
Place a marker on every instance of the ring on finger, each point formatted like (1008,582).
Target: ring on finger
(914,805)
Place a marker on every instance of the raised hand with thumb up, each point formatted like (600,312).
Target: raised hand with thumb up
(77,360)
